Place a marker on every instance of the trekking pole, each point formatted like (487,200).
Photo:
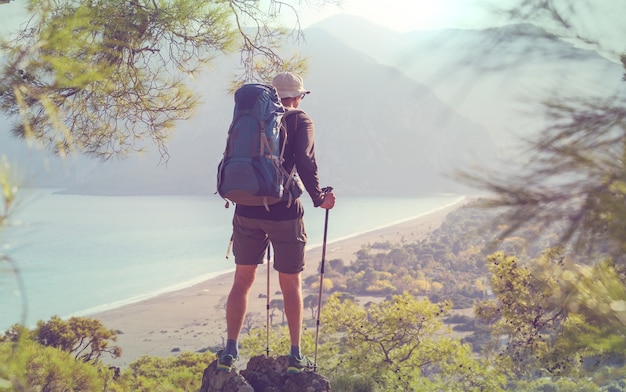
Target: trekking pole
(319,299)
(267,306)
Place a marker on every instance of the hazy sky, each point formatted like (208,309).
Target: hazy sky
(400,15)
(409,15)
(11,15)
(598,19)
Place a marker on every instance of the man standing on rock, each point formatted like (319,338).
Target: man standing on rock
(282,225)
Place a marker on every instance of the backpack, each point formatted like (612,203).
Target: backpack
(251,171)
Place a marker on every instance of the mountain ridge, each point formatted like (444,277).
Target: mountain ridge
(384,125)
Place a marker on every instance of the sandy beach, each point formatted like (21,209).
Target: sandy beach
(193,318)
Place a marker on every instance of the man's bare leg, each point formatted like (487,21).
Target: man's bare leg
(291,287)
(237,304)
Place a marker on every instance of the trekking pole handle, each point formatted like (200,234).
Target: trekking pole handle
(327,189)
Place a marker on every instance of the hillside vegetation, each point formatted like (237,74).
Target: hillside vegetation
(404,342)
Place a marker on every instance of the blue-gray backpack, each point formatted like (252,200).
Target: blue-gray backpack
(251,172)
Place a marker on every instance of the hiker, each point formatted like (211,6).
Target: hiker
(281,224)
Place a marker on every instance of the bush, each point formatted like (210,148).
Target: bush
(381,245)
(556,385)
(458,319)
(353,383)
(35,367)
(464,327)
(181,373)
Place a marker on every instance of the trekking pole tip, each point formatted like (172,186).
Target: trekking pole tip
(230,246)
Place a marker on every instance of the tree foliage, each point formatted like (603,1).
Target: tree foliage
(96,76)
(87,340)
(523,313)
(43,368)
(554,318)
(147,374)
(575,176)
(9,188)
(401,344)
(34,367)
(570,20)
(573,172)
(110,77)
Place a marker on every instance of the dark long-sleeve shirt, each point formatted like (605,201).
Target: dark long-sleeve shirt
(299,151)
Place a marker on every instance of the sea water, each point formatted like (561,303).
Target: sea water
(79,254)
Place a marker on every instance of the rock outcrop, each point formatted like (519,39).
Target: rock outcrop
(262,374)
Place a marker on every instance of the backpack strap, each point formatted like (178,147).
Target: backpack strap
(288,185)
(264,144)
(283,129)
(283,134)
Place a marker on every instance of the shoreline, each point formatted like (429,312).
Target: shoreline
(458,202)
(192,318)
(95,310)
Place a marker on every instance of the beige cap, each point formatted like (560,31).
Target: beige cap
(289,85)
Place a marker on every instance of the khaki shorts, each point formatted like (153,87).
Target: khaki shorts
(288,238)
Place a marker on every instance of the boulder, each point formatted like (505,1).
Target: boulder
(262,374)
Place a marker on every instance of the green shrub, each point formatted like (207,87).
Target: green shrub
(34,367)
(353,383)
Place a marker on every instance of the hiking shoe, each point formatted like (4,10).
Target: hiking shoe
(298,365)
(224,361)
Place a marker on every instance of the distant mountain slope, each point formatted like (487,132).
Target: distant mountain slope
(377,132)
(381,131)
(496,77)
